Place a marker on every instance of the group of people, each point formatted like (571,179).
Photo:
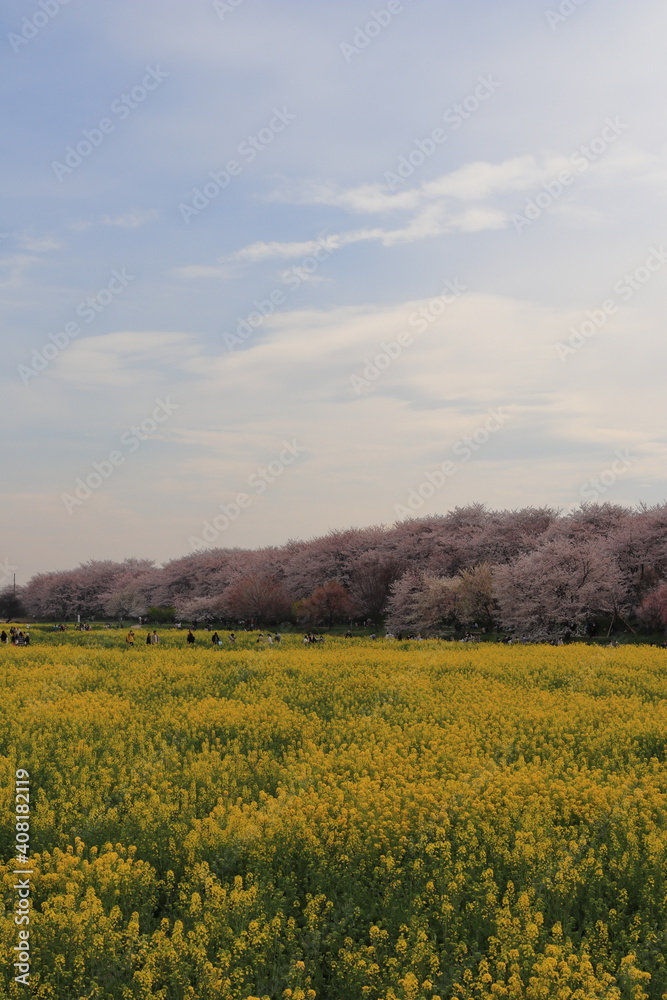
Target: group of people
(16,637)
(152,638)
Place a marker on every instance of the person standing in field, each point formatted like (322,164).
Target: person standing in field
(191,637)
(129,638)
(214,639)
(155,638)
(148,639)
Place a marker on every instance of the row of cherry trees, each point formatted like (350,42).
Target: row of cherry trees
(533,572)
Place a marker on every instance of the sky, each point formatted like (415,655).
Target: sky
(273,269)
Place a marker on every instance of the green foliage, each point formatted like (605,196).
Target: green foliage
(159,614)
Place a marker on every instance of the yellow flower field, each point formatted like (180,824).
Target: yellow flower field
(352,821)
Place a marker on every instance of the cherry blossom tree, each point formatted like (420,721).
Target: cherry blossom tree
(326,605)
(207,609)
(436,604)
(401,613)
(557,588)
(653,609)
(128,602)
(259,597)
(369,562)
(475,599)
(371,577)
(422,604)
(82,591)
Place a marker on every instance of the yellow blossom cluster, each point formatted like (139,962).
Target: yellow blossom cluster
(371,820)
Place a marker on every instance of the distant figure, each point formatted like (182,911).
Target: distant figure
(3,637)
(155,638)
(278,637)
(129,638)
(232,637)
(348,634)
(191,637)
(149,639)
(214,639)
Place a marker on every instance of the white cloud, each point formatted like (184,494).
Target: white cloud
(255,252)
(131,220)
(13,269)
(436,206)
(123,359)
(39,244)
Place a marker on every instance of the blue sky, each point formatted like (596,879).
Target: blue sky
(370,158)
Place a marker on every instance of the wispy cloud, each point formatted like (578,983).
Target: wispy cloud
(39,244)
(476,197)
(471,182)
(123,358)
(13,269)
(131,220)
(464,200)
